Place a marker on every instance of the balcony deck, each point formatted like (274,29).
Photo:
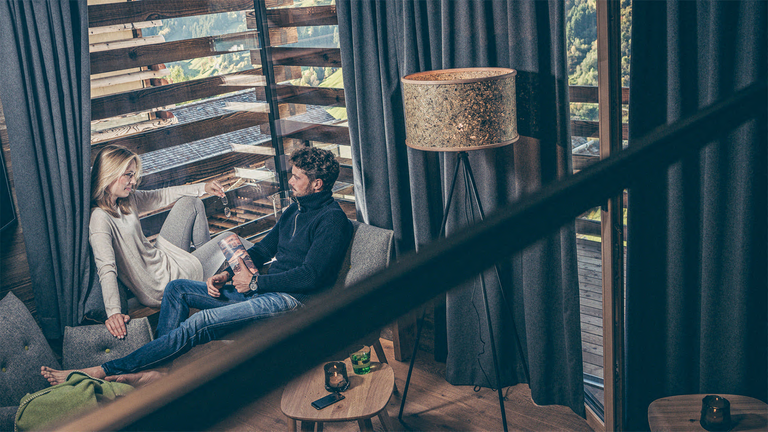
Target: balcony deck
(591,297)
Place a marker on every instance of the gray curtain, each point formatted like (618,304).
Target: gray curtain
(696,276)
(404,189)
(45,93)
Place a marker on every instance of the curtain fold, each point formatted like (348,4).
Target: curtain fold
(404,189)
(45,93)
(696,270)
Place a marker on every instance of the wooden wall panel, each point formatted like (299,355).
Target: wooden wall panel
(147,10)
(105,61)
(183,133)
(296,17)
(311,95)
(322,57)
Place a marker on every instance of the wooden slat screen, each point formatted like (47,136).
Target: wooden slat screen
(162,97)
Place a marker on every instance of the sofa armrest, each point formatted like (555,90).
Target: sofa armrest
(93,345)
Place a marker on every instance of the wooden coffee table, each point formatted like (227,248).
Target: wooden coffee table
(682,413)
(367,396)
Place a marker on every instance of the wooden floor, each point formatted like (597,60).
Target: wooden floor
(432,405)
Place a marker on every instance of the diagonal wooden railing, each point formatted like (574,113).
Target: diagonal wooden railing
(264,356)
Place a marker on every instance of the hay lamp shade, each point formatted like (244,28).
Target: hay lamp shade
(460,109)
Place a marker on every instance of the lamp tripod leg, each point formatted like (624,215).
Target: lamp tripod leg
(493,353)
(420,322)
(419,326)
(518,343)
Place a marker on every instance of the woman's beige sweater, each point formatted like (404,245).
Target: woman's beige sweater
(121,250)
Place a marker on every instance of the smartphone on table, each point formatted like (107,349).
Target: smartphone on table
(327,400)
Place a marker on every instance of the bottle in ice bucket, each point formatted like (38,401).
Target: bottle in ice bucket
(361,359)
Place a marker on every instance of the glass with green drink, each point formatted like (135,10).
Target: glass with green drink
(361,359)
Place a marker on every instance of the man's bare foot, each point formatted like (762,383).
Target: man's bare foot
(60,376)
(138,379)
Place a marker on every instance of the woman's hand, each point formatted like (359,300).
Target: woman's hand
(116,325)
(214,188)
(215,282)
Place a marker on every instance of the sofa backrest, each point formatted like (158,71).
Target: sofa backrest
(23,350)
(370,250)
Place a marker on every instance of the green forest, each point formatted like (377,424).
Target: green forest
(581,40)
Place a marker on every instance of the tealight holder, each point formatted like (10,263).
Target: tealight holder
(715,413)
(336,376)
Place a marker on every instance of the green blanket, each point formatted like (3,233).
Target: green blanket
(66,400)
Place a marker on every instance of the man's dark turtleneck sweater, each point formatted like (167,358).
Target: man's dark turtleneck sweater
(309,243)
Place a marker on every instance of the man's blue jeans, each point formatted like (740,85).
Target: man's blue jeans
(177,334)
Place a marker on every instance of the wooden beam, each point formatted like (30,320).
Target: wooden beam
(130,129)
(588,94)
(128,77)
(312,132)
(311,95)
(183,133)
(125,58)
(345,174)
(320,57)
(200,169)
(126,43)
(152,97)
(591,129)
(123,27)
(582,161)
(147,10)
(296,17)
(283,36)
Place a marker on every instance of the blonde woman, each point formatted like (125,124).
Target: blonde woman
(122,251)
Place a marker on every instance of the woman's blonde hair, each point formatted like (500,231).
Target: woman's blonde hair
(111,163)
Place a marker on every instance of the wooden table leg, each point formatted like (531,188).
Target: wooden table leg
(292,424)
(385,420)
(365,425)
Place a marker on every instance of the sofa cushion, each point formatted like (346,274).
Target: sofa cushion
(93,345)
(7,418)
(23,350)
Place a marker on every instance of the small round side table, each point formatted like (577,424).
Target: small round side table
(682,413)
(367,396)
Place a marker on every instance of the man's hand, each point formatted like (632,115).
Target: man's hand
(242,278)
(215,282)
(214,188)
(116,325)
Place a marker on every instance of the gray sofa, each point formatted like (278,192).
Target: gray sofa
(24,349)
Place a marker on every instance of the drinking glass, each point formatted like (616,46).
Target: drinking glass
(361,359)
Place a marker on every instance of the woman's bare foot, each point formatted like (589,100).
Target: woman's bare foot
(138,379)
(60,376)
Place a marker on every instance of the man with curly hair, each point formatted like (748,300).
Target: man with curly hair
(308,245)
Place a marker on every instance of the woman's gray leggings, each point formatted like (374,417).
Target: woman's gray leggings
(186,226)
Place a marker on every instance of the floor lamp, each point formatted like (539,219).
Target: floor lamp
(462,110)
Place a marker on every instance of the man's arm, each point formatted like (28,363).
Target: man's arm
(331,240)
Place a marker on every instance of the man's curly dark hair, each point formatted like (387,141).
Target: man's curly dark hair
(317,164)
